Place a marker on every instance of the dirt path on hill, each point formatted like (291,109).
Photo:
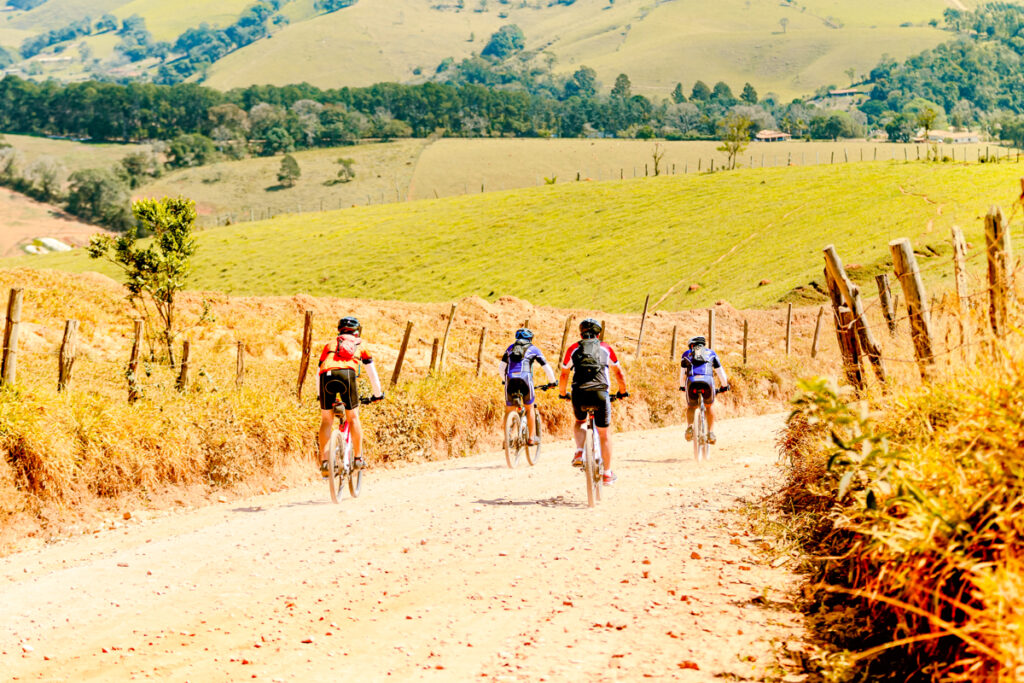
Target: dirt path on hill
(454,570)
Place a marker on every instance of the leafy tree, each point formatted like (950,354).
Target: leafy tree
(1013,131)
(289,171)
(701,92)
(734,131)
(784,23)
(100,196)
(347,170)
(749,94)
(677,94)
(155,273)
(623,88)
(504,42)
(46,175)
(278,139)
(925,113)
(583,83)
(900,128)
(722,94)
(190,150)
(140,168)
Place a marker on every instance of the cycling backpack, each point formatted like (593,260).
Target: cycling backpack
(346,348)
(700,356)
(517,353)
(588,365)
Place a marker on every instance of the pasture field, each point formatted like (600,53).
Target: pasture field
(74,156)
(240,190)
(751,237)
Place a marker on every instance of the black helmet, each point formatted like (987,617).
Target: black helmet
(590,328)
(698,341)
(349,325)
(524,334)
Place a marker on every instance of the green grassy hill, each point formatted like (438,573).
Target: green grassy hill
(750,237)
(657,44)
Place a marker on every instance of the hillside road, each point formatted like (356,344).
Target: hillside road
(453,570)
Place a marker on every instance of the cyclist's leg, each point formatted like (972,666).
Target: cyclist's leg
(578,432)
(529,400)
(324,437)
(350,397)
(510,404)
(604,433)
(603,422)
(711,417)
(355,428)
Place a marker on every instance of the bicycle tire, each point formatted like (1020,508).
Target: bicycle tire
(335,475)
(590,468)
(512,439)
(355,478)
(533,452)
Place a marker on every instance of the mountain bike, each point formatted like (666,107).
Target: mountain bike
(593,463)
(340,463)
(701,444)
(517,431)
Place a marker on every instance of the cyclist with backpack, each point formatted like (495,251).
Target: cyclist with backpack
(339,369)
(589,360)
(517,376)
(697,378)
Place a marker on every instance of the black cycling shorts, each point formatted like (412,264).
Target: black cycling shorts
(335,382)
(695,389)
(598,399)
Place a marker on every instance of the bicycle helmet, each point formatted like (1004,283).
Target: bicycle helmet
(524,334)
(590,329)
(349,325)
(698,341)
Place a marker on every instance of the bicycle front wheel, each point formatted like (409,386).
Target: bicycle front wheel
(533,452)
(590,470)
(336,475)
(513,448)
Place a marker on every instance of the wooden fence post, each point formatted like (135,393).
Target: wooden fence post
(480,350)
(9,365)
(401,354)
(433,355)
(960,279)
(67,354)
(817,332)
(905,265)
(746,336)
(643,319)
(239,364)
(444,341)
(604,329)
(789,326)
(565,339)
(672,347)
(849,347)
(885,298)
(186,350)
(1000,275)
(711,328)
(133,363)
(851,294)
(307,350)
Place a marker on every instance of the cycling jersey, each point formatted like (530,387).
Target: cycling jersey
(607,358)
(517,375)
(340,365)
(701,372)
(335,356)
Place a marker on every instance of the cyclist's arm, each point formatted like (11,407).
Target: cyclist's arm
(620,378)
(684,375)
(720,371)
(563,377)
(548,372)
(371,374)
(503,367)
(323,355)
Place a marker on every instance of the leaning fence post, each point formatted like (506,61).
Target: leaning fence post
(711,328)
(9,366)
(789,326)
(182,384)
(850,292)
(643,319)
(565,339)
(433,355)
(672,347)
(239,364)
(133,363)
(307,349)
(401,354)
(480,350)
(444,341)
(1000,275)
(885,298)
(905,264)
(817,332)
(67,354)
(849,347)
(960,279)
(746,336)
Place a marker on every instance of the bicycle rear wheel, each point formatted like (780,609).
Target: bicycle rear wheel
(533,452)
(336,476)
(590,469)
(513,438)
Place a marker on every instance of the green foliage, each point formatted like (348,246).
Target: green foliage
(734,131)
(100,196)
(749,94)
(347,171)
(156,272)
(141,168)
(677,94)
(189,150)
(504,42)
(289,171)
(623,88)
(701,92)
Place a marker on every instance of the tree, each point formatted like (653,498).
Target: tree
(100,196)
(657,154)
(289,171)
(677,94)
(46,175)
(190,150)
(347,170)
(583,83)
(722,94)
(784,23)
(734,130)
(701,92)
(900,128)
(140,168)
(156,273)
(278,139)
(749,95)
(623,88)
(504,42)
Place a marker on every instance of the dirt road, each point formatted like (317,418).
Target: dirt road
(455,570)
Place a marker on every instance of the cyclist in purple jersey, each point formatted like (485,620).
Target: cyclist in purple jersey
(517,376)
(697,378)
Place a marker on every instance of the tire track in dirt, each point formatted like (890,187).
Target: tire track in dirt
(441,571)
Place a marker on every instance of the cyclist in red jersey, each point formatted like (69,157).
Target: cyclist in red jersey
(589,359)
(339,369)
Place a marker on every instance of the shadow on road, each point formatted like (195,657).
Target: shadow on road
(556,501)
(673,461)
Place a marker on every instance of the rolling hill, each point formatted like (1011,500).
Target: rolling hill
(789,48)
(750,237)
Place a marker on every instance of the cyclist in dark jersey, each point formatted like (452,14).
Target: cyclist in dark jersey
(517,376)
(589,359)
